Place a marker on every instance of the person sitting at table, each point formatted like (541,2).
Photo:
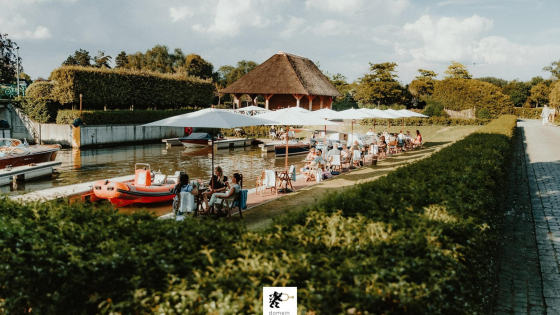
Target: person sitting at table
(318,160)
(370,132)
(311,155)
(234,188)
(355,146)
(182,186)
(331,152)
(218,184)
(418,140)
(272,132)
(382,146)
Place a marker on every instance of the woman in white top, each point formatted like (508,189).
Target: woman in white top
(234,188)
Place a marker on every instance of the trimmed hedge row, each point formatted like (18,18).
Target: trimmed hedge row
(419,241)
(124,117)
(528,113)
(120,89)
(432,121)
(460,94)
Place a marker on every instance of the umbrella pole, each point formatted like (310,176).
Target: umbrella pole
(212,171)
(287,136)
(374,125)
(325,140)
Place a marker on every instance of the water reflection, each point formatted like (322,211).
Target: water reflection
(80,166)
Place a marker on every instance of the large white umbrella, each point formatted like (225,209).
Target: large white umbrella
(293,116)
(326,113)
(354,114)
(253,109)
(411,114)
(211,118)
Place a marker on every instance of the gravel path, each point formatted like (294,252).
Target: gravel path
(529,281)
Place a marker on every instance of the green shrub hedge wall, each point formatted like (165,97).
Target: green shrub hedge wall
(461,94)
(41,110)
(120,89)
(528,113)
(432,121)
(41,89)
(117,117)
(421,240)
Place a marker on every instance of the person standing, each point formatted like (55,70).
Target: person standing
(544,114)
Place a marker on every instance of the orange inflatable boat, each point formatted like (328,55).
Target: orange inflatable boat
(143,189)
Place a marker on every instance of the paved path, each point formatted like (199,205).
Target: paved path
(529,281)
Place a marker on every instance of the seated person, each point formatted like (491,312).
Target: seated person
(272,132)
(235,188)
(382,145)
(355,146)
(333,151)
(418,140)
(311,155)
(318,160)
(370,132)
(182,186)
(344,153)
(218,184)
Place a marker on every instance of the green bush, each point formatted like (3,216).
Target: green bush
(528,113)
(123,117)
(483,113)
(41,110)
(434,109)
(421,240)
(461,94)
(432,121)
(40,90)
(120,89)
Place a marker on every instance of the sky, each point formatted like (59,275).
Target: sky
(508,39)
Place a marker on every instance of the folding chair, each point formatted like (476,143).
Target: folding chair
(336,163)
(310,174)
(269,180)
(357,157)
(287,177)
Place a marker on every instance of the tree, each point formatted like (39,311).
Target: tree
(539,94)
(230,74)
(457,71)
(380,86)
(340,83)
(8,60)
(518,92)
(554,96)
(554,69)
(198,67)
(121,60)
(80,58)
(496,81)
(157,59)
(102,61)
(423,84)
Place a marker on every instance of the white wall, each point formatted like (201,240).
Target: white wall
(97,135)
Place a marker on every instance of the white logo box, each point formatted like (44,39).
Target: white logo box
(279,300)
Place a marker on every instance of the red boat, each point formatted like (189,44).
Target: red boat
(15,153)
(143,189)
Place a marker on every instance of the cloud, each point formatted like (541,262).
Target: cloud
(294,25)
(447,38)
(331,28)
(18,28)
(179,13)
(394,7)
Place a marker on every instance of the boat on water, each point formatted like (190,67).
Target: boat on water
(14,153)
(294,148)
(147,187)
(198,139)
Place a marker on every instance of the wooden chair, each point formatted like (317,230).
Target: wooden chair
(230,204)
(310,174)
(336,163)
(287,177)
(392,147)
(261,182)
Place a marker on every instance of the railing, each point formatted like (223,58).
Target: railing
(10,91)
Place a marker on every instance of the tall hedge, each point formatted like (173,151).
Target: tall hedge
(120,89)
(122,117)
(460,94)
(40,89)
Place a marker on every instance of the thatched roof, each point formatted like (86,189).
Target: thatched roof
(284,73)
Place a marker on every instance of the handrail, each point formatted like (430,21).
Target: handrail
(10,91)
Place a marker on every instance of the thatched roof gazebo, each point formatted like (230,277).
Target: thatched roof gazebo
(285,80)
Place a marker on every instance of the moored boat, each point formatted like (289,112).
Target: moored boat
(144,188)
(15,153)
(293,148)
(197,140)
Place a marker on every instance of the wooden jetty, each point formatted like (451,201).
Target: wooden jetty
(232,143)
(27,172)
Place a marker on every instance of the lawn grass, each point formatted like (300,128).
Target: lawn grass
(435,138)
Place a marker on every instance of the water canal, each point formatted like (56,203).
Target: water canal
(80,166)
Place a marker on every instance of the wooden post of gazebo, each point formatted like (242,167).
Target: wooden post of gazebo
(311,97)
(237,101)
(298,97)
(321,98)
(331,100)
(267,97)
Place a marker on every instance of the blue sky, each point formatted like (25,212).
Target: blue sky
(508,39)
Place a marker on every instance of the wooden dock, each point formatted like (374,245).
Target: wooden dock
(232,143)
(27,172)
(172,142)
